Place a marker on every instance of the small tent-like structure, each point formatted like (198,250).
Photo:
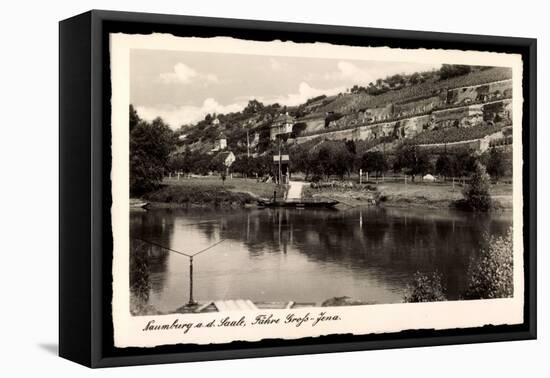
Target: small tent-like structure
(429,178)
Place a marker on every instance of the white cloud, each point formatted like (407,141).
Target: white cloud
(184,74)
(176,116)
(305,92)
(352,74)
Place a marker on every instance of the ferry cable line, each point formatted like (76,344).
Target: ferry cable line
(190,257)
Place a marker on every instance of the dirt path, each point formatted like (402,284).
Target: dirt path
(295,189)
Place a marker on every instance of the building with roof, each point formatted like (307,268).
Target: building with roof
(282,124)
(221,143)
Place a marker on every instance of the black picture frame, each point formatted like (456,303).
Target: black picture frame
(85,238)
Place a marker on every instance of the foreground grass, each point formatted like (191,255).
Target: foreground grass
(212,191)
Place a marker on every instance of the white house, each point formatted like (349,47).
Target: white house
(221,143)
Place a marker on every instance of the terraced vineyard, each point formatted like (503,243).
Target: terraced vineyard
(344,103)
(450,135)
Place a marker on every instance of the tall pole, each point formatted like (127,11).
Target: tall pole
(279,161)
(191,301)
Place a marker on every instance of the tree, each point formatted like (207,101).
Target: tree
(200,163)
(299,159)
(264,141)
(444,166)
(343,159)
(374,161)
(413,160)
(330,158)
(350,145)
(134,118)
(495,164)
(321,160)
(150,148)
(448,71)
(244,165)
(263,165)
(476,193)
(254,106)
(298,129)
(464,163)
(415,78)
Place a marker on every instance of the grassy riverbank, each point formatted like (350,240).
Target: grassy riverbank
(212,191)
(241,192)
(399,194)
(437,195)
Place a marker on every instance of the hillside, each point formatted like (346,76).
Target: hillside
(357,101)
(420,109)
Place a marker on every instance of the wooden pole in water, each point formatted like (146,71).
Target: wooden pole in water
(191,301)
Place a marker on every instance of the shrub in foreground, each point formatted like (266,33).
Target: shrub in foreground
(490,275)
(425,288)
(215,196)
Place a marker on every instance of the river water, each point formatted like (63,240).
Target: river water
(369,254)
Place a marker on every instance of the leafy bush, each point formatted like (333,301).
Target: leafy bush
(490,275)
(425,288)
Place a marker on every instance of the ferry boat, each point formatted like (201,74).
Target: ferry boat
(299,203)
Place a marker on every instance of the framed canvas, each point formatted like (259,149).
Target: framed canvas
(234,188)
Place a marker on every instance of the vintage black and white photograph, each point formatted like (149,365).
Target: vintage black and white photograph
(263,181)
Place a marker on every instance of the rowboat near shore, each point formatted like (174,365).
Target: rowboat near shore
(138,204)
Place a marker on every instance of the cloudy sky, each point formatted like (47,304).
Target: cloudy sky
(182,87)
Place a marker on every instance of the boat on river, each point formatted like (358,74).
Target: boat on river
(299,203)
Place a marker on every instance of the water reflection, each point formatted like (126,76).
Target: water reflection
(369,254)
